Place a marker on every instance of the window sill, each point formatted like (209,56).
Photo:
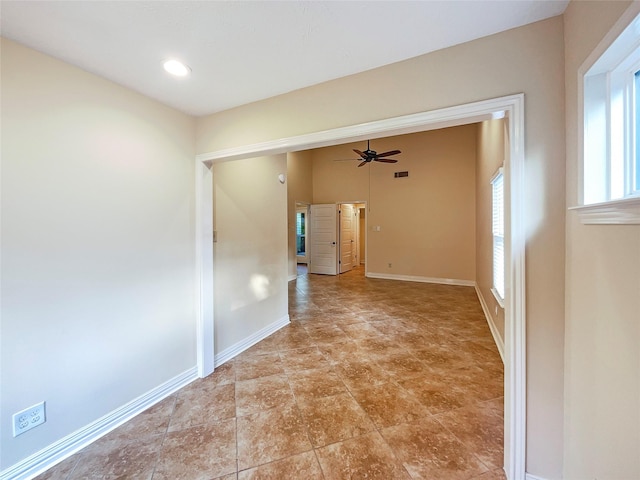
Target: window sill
(498,298)
(625,211)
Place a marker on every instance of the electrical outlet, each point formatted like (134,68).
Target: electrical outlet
(28,418)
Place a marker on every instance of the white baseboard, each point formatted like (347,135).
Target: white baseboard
(49,456)
(292,277)
(414,278)
(492,326)
(250,341)
(528,476)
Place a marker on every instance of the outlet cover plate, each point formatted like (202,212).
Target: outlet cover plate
(28,418)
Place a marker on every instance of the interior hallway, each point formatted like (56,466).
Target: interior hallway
(372,379)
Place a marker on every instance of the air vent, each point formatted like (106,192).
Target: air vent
(401,174)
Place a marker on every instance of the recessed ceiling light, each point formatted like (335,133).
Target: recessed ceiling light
(174,67)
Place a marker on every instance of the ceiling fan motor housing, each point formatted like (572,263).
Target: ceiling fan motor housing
(368,155)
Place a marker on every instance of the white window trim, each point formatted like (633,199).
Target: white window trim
(625,210)
(499,297)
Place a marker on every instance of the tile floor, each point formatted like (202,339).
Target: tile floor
(372,379)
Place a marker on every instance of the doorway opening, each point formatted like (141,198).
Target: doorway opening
(301,233)
(511,107)
(336,239)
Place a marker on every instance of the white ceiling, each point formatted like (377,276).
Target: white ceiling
(243,51)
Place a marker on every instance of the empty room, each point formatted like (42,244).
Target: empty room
(154,324)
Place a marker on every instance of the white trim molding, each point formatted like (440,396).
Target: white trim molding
(67,446)
(414,278)
(234,350)
(292,278)
(528,476)
(515,296)
(492,326)
(417,122)
(204,268)
(625,211)
(512,107)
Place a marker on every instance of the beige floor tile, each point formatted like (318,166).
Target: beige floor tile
(307,358)
(366,457)
(206,404)
(341,351)
(260,365)
(479,426)
(198,453)
(223,375)
(151,422)
(429,451)
(109,459)
(402,366)
(327,335)
(389,404)
(259,394)
(310,384)
(437,393)
(333,419)
(355,373)
(271,435)
(497,474)
(304,466)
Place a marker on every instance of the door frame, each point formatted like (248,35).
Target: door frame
(357,209)
(512,107)
(303,206)
(339,235)
(363,261)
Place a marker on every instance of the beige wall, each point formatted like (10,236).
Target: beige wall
(426,220)
(529,59)
(602,362)
(490,157)
(98,253)
(250,254)
(299,189)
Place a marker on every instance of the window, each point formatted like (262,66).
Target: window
(611,133)
(497,207)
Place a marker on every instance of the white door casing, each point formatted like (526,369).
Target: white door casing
(347,243)
(512,107)
(323,249)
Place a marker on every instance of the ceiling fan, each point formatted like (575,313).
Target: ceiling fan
(371,155)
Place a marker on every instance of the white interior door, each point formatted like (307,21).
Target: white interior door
(322,239)
(347,237)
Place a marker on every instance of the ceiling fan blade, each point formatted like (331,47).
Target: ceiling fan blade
(366,161)
(348,160)
(388,154)
(386,160)
(360,153)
